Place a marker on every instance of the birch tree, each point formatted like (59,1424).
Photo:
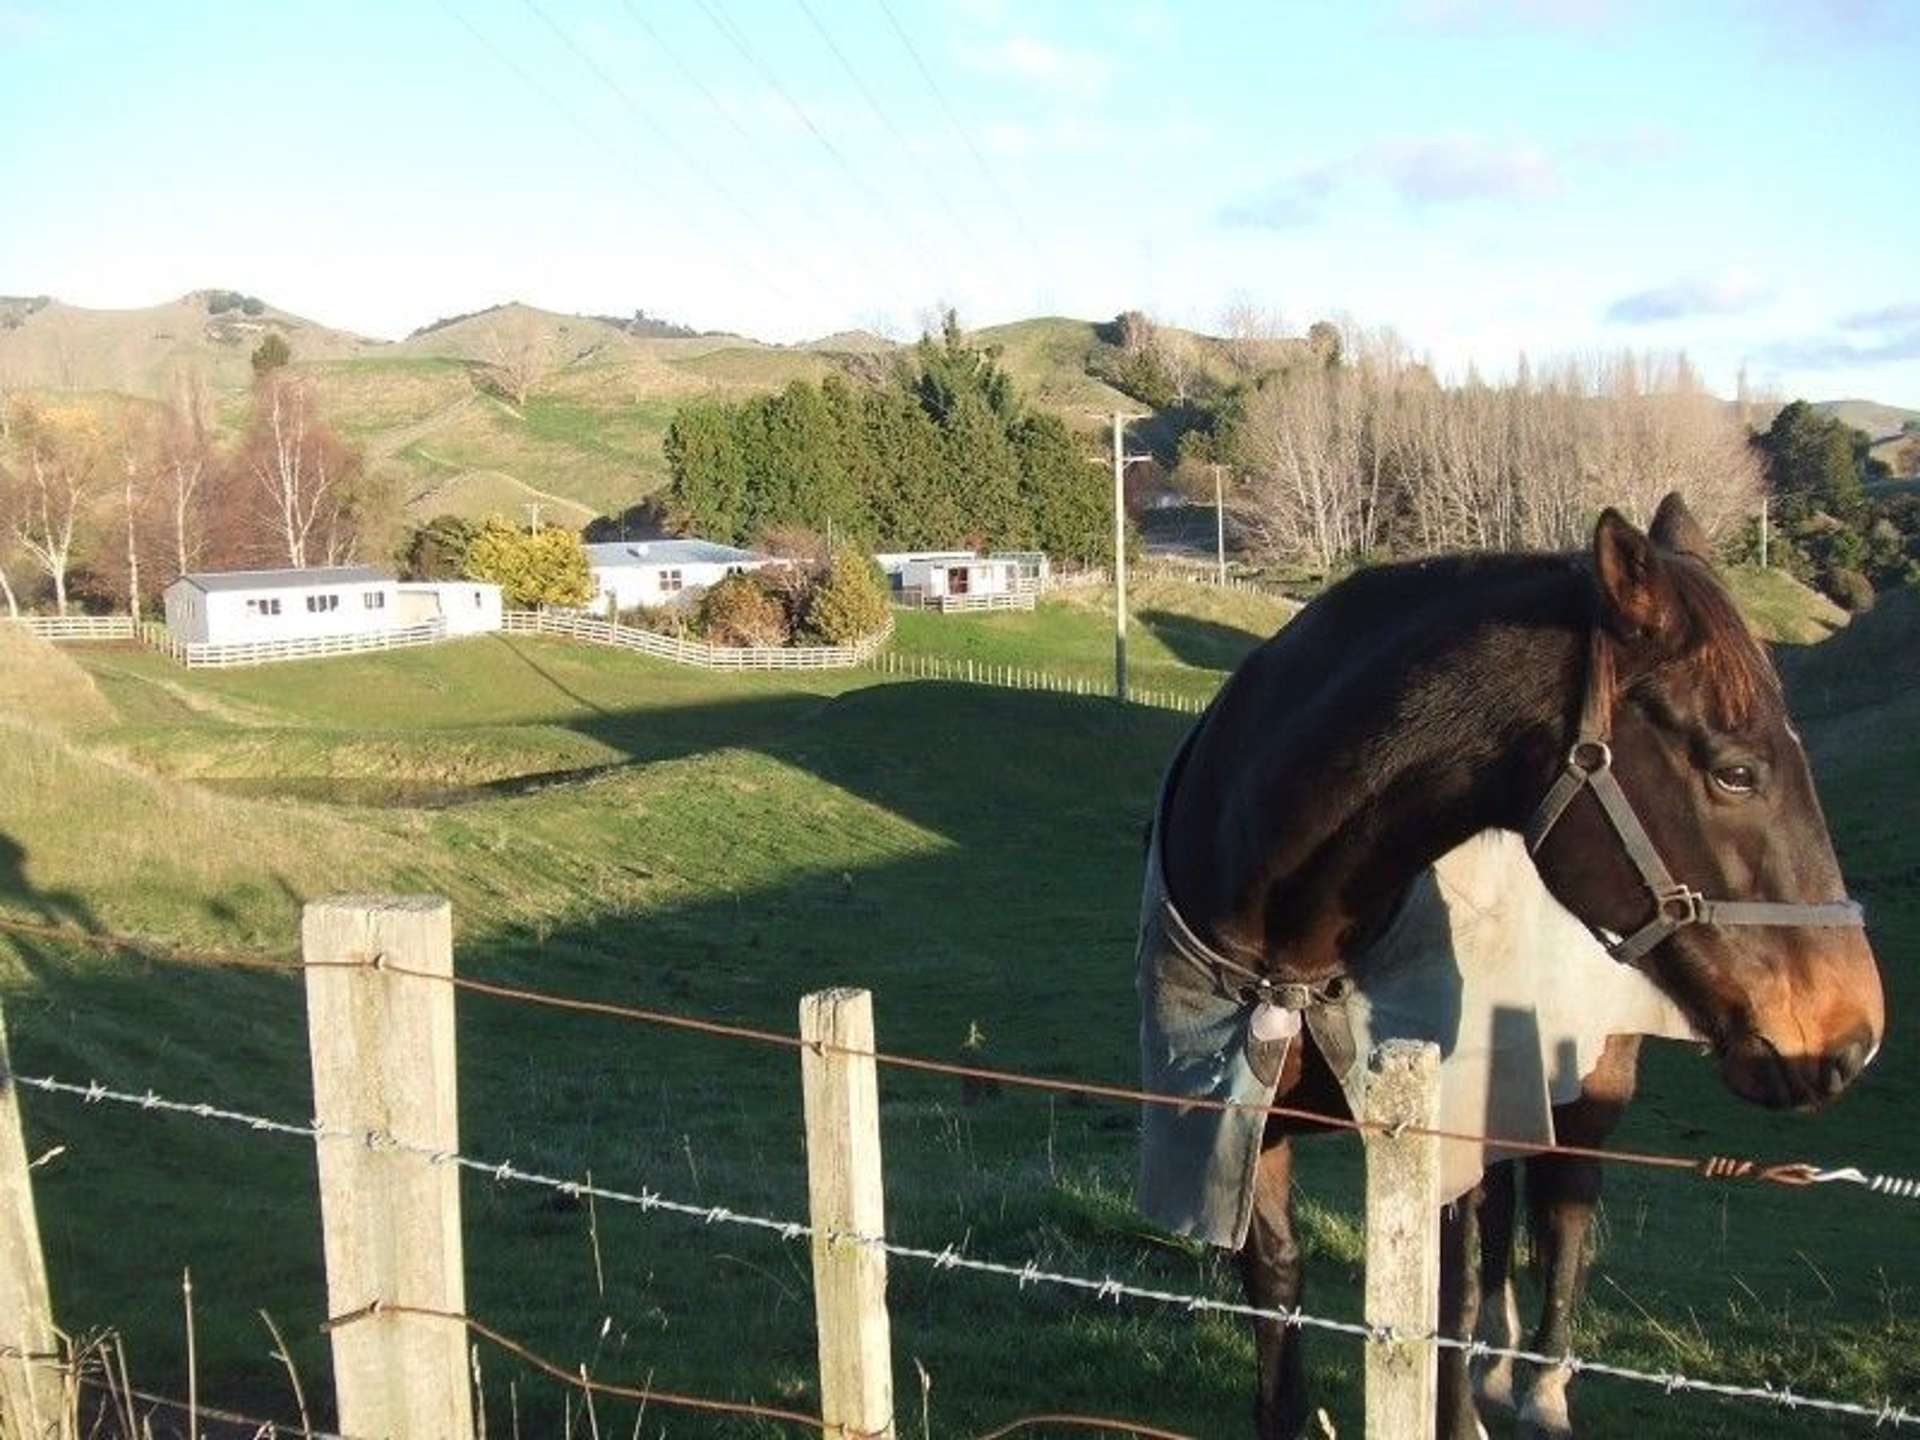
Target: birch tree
(303,473)
(186,452)
(57,471)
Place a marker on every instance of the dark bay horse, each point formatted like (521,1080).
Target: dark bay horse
(1415,705)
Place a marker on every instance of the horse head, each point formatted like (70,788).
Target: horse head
(1731,897)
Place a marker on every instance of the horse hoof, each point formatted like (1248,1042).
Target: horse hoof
(1535,1426)
(1493,1387)
(1546,1415)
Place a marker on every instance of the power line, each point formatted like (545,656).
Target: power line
(646,181)
(781,177)
(666,140)
(993,179)
(731,33)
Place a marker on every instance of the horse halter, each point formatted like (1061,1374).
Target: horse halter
(1675,905)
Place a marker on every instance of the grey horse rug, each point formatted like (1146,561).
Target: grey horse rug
(1479,958)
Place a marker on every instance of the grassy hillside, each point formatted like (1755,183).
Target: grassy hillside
(615,827)
(589,436)
(1870,416)
(67,347)
(1781,609)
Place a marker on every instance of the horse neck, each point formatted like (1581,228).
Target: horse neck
(1452,726)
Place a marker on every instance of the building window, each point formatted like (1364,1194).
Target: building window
(270,606)
(959,579)
(477,601)
(321,604)
(670,582)
(374,599)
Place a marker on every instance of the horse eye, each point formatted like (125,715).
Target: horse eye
(1736,779)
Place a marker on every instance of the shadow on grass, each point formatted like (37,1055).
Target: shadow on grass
(1203,644)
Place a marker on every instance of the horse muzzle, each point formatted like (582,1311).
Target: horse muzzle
(1756,1070)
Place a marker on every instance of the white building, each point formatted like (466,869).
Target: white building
(470,607)
(955,579)
(239,606)
(659,572)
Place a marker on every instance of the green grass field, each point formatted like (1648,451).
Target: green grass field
(615,827)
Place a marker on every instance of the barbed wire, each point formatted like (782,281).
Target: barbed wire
(1794,1174)
(950,1257)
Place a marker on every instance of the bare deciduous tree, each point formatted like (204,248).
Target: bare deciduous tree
(1340,461)
(58,466)
(185,456)
(517,355)
(304,473)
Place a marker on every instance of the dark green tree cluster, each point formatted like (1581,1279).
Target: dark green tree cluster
(437,550)
(1829,530)
(943,454)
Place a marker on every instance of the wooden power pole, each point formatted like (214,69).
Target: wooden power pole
(1120,462)
(1219,526)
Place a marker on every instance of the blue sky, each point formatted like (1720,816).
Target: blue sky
(1484,176)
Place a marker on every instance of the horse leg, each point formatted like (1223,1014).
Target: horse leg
(1499,1308)
(1270,1274)
(1459,1314)
(1562,1192)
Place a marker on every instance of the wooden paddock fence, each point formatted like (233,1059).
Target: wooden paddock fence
(380,992)
(572,625)
(202,655)
(382,1040)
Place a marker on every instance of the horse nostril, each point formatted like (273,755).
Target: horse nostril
(1846,1063)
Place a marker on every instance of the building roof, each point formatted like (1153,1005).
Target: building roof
(215,581)
(667,552)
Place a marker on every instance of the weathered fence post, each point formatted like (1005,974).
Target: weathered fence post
(383,1065)
(1403,1237)
(29,1391)
(842,1100)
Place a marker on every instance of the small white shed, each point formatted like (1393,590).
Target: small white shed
(931,577)
(239,606)
(470,607)
(659,572)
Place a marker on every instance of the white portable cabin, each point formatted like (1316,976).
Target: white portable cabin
(239,606)
(660,572)
(470,607)
(935,575)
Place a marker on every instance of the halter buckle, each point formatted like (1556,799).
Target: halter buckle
(1590,757)
(1680,905)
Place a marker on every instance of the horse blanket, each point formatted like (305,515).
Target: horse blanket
(1478,958)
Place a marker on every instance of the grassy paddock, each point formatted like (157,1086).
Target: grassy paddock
(616,827)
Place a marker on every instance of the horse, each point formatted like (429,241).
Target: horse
(1612,705)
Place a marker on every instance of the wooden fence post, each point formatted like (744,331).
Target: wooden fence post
(383,1064)
(1403,1237)
(842,1101)
(29,1392)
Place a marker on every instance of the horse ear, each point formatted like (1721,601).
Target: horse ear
(1675,529)
(1637,596)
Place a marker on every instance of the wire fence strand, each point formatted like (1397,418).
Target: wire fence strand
(1796,1174)
(1793,1174)
(1030,1273)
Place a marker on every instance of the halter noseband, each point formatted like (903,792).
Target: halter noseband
(1590,767)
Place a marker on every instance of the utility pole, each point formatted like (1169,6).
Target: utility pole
(1120,462)
(1219,526)
(532,507)
(1764,498)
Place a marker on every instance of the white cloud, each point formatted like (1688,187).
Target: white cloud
(1732,293)
(1448,169)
